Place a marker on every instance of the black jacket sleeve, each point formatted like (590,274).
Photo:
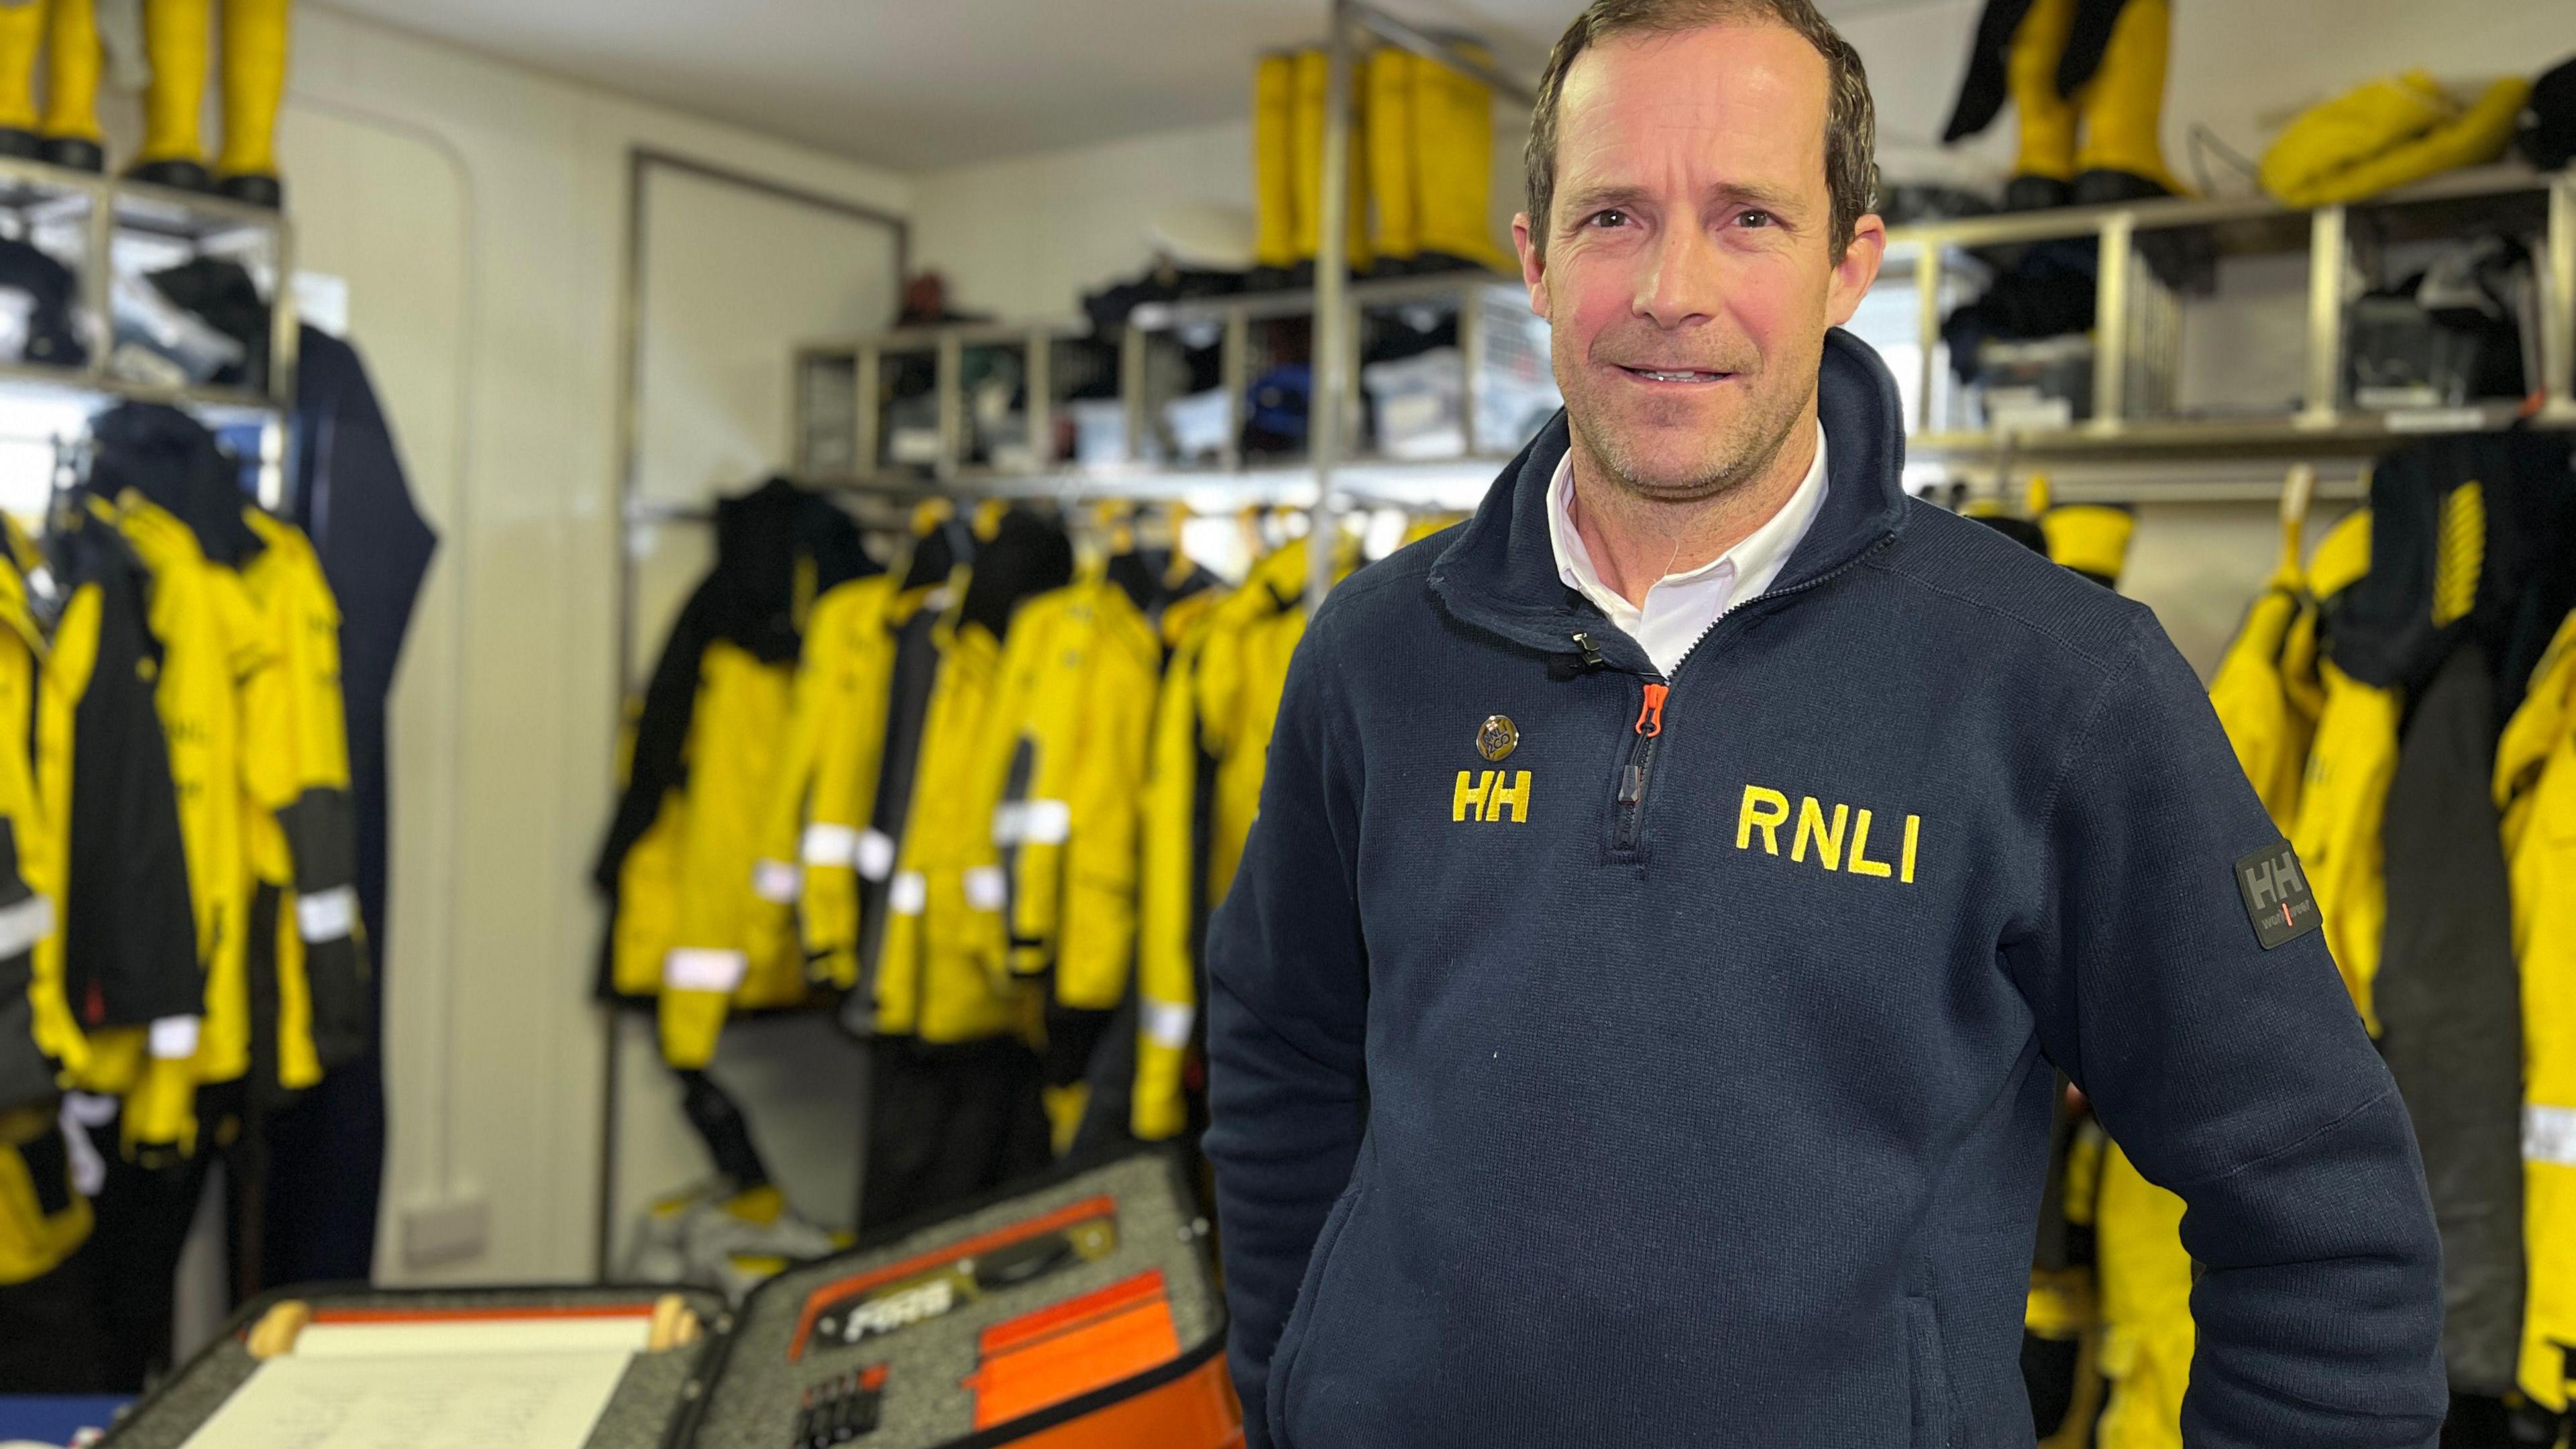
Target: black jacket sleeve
(129,931)
(2238,1077)
(1287,1017)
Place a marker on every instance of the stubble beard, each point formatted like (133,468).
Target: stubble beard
(1733,458)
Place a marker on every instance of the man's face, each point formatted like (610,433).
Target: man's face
(1689,275)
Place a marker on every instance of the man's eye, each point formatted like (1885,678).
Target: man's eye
(1754,218)
(1609,218)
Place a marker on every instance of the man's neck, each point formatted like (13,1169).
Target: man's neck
(1637,541)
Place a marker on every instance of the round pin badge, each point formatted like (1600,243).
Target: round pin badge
(1497,737)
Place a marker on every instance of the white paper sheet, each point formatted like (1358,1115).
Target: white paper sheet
(445,1401)
(630,1332)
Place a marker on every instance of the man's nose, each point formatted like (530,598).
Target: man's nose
(1681,280)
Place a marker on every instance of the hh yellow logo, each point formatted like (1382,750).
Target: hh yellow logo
(1482,795)
(1840,844)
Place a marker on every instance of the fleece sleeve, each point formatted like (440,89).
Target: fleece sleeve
(2235,1075)
(1287,1015)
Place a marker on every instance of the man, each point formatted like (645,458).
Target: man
(1635,1019)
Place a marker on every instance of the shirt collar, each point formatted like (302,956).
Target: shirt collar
(1752,563)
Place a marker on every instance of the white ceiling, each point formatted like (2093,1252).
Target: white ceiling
(914,84)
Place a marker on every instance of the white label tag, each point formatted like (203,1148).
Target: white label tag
(1168,1023)
(174,1038)
(776,880)
(830,845)
(327,915)
(696,968)
(909,894)
(985,888)
(875,855)
(1050,822)
(26,923)
(2549,1135)
(1010,823)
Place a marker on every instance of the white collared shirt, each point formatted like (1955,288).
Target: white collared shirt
(1682,607)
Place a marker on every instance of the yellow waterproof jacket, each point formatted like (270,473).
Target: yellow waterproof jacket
(732,936)
(41,1219)
(1211,749)
(2385,133)
(2343,796)
(213,639)
(121,969)
(2535,789)
(38,1036)
(302,833)
(2147,1334)
(695,920)
(1067,744)
(2264,715)
(827,779)
(1174,889)
(1243,669)
(931,975)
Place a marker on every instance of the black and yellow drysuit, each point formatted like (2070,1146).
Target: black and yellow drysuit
(2535,790)
(42,1220)
(1066,750)
(1209,752)
(936,975)
(696,922)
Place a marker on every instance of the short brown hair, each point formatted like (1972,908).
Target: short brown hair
(1851,120)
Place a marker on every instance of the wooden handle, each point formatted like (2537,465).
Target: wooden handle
(675,1325)
(275,1333)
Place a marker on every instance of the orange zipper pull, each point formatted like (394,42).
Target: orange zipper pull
(1650,715)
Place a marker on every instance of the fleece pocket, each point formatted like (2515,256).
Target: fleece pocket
(1301,1320)
(1929,1375)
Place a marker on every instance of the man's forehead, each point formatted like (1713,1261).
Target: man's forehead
(1756,92)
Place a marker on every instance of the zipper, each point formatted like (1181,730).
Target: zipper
(1628,802)
(1629,805)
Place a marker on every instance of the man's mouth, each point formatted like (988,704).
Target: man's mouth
(1675,374)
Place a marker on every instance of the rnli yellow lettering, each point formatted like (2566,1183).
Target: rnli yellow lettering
(1861,864)
(1468,802)
(1839,833)
(1811,826)
(1763,810)
(1513,797)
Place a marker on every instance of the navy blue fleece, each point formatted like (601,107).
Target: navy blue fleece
(1591,1120)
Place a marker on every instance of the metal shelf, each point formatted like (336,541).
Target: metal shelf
(2327,423)
(107,207)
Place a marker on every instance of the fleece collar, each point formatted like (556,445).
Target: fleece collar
(1500,573)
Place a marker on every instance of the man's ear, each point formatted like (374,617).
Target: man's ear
(1533,266)
(1857,270)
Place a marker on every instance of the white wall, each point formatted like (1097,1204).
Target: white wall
(478,212)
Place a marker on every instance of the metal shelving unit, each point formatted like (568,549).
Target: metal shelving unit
(36,196)
(1333,473)
(2326,422)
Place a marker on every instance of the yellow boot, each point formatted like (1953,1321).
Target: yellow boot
(22,26)
(177,38)
(1394,182)
(2044,170)
(71,86)
(1453,130)
(2123,109)
(1275,203)
(254,79)
(1314,87)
